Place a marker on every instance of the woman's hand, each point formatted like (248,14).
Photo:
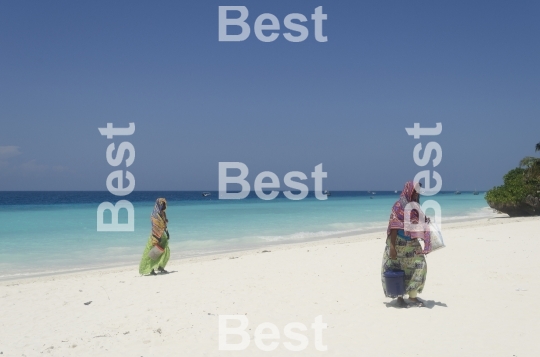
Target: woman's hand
(393,253)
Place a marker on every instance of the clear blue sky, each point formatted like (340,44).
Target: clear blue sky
(69,67)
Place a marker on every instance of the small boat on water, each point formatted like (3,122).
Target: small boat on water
(457,192)
(206,194)
(327,193)
(395,191)
(475,192)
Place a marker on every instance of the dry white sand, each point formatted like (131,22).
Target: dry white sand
(482,293)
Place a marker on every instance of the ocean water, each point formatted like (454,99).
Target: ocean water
(47,232)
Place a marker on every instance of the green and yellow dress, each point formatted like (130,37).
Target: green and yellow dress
(147,265)
(159,229)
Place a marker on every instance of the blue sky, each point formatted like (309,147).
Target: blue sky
(67,68)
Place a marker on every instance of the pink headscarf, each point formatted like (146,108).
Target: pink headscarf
(397,216)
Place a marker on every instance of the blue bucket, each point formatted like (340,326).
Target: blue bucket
(395,283)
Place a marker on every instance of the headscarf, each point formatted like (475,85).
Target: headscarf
(397,216)
(159,218)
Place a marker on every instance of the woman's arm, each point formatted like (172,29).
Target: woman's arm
(393,236)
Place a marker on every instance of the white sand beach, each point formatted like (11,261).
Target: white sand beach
(482,296)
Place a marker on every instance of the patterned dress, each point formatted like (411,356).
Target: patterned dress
(412,264)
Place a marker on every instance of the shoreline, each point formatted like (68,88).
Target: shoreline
(79,247)
(353,237)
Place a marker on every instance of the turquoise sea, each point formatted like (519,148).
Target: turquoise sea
(48,232)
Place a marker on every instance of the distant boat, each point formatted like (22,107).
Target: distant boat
(395,191)
(206,194)
(475,192)
(327,193)
(457,192)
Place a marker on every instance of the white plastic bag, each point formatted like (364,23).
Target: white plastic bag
(437,241)
(155,252)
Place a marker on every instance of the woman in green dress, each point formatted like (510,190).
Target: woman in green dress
(158,242)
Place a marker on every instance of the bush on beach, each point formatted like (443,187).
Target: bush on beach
(519,194)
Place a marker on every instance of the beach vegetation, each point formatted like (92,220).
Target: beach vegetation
(520,193)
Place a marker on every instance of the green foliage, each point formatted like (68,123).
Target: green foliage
(518,183)
(532,170)
(519,194)
(514,190)
(529,162)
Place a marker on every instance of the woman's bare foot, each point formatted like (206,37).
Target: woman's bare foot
(153,272)
(163,271)
(402,303)
(417,302)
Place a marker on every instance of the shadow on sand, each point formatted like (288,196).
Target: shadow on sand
(430,304)
(163,274)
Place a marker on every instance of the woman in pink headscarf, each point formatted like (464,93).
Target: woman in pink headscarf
(403,251)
